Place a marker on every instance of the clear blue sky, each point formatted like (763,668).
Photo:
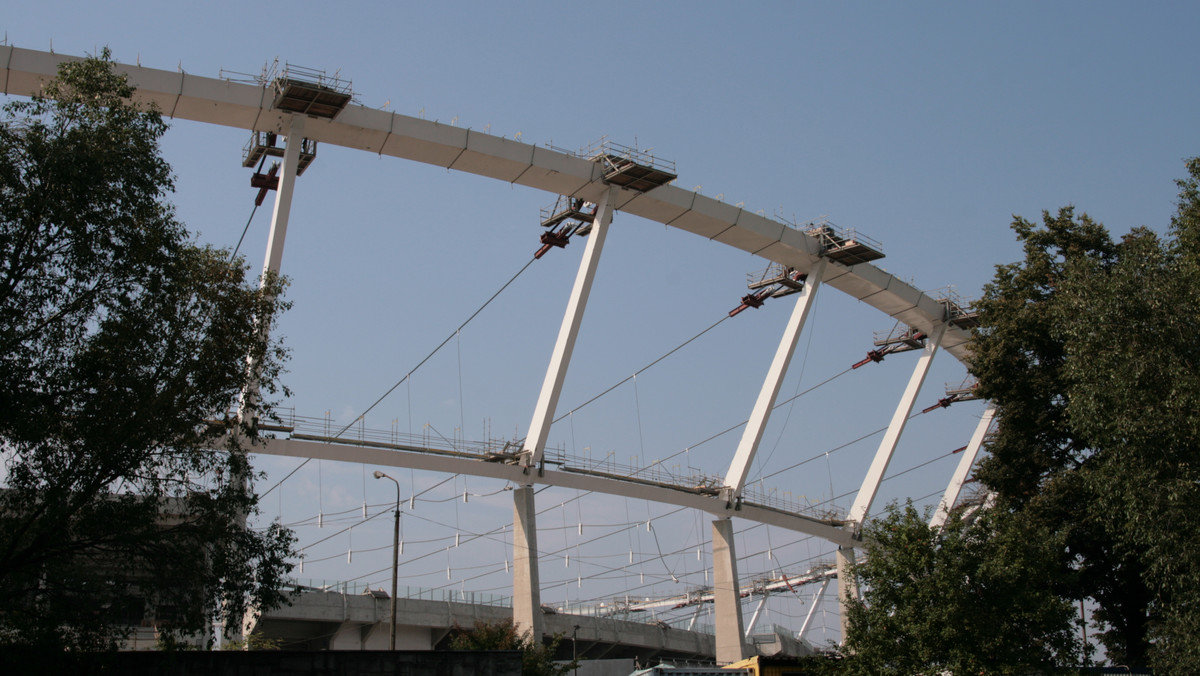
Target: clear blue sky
(925,126)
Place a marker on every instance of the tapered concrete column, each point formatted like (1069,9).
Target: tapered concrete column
(965,463)
(527,593)
(727,600)
(847,585)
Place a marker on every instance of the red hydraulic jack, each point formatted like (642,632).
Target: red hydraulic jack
(964,392)
(944,402)
(785,282)
(265,182)
(754,300)
(571,216)
(550,238)
(872,356)
(909,340)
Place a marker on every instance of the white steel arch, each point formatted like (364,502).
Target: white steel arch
(232,104)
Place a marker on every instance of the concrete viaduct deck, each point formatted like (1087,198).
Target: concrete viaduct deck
(330,620)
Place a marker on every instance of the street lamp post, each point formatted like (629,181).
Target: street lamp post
(574,650)
(395,556)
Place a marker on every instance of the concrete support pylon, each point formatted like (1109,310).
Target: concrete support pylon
(847,585)
(727,600)
(527,593)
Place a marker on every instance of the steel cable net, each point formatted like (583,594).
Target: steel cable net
(656,567)
(650,569)
(652,582)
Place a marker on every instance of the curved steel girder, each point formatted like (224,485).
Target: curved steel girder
(712,504)
(215,101)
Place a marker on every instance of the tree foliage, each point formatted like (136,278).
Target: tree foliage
(119,337)
(1088,348)
(968,599)
(537,658)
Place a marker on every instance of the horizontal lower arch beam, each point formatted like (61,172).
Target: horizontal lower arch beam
(295,448)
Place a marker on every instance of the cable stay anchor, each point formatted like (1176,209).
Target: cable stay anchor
(901,338)
(964,391)
(774,282)
(265,182)
(568,216)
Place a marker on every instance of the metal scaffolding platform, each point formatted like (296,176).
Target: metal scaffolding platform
(629,167)
(568,209)
(310,92)
(568,216)
(265,144)
(901,338)
(966,390)
(959,312)
(785,280)
(845,246)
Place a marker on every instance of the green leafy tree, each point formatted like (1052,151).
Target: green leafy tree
(969,599)
(119,338)
(1020,361)
(537,658)
(1088,348)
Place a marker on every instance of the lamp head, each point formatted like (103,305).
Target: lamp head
(379,475)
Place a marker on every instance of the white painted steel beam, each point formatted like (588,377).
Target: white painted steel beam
(247,407)
(560,359)
(965,463)
(812,609)
(701,598)
(754,618)
(517,475)
(735,478)
(883,456)
(283,195)
(191,97)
